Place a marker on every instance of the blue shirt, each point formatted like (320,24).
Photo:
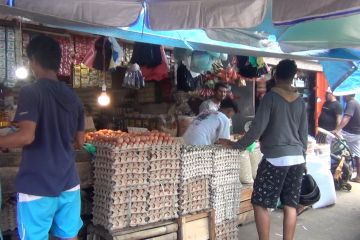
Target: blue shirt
(48,163)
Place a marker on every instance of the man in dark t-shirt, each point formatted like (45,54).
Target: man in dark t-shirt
(51,121)
(350,126)
(331,113)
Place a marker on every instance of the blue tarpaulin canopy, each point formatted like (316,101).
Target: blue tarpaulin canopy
(343,77)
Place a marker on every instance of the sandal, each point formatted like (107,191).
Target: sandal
(302,209)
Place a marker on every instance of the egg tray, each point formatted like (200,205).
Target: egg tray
(163,202)
(225,199)
(163,189)
(164,164)
(194,195)
(171,152)
(187,193)
(227,230)
(196,161)
(130,155)
(119,209)
(123,170)
(162,215)
(119,182)
(225,177)
(164,175)
(193,206)
(225,159)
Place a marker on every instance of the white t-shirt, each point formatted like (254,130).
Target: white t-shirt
(209,105)
(207,128)
(286,161)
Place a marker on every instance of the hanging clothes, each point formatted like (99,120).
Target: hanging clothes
(145,54)
(99,55)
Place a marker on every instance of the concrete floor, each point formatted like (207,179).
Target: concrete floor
(338,222)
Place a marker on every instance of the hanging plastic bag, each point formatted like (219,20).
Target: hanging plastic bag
(99,55)
(133,78)
(181,54)
(201,62)
(185,81)
(117,53)
(159,72)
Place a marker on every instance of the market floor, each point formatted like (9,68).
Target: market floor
(338,222)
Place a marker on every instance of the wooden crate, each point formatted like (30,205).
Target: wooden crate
(245,206)
(246,212)
(246,192)
(199,226)
(157,231)
(246,217)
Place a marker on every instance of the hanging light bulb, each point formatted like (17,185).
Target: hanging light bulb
(104,99)
(21,72)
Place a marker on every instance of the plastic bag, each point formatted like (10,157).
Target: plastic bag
(181,54)
(99,55)
(245,168)
(117,53)
(159,72)
(185,81)
(201,62)
(133,78)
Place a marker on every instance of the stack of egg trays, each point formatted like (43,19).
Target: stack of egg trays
(120,187)
(164,163)
(164,175)
(196,171)
(226,166)
(227,230)
(117,209)
(194,195)
(225,184)
(225,200)
(162,198)
(196,161)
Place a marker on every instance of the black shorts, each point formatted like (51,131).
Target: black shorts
(273,182)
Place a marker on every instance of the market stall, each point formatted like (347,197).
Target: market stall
(146,183)
(137,184)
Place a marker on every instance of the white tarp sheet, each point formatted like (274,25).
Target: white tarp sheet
(294,11)
(188,14)
(111,13)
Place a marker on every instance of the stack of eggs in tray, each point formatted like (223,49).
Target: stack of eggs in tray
(196,171)
(136,178)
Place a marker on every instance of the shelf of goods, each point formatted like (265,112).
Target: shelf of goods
(149,177)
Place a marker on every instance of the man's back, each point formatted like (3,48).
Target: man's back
(353,110)
(207,128)
(329,113)
(48,166)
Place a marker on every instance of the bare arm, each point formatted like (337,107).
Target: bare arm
(344,121)
(338,120)
(24,136)
(79,139)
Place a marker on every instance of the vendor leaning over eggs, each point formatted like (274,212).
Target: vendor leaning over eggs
(209,126)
